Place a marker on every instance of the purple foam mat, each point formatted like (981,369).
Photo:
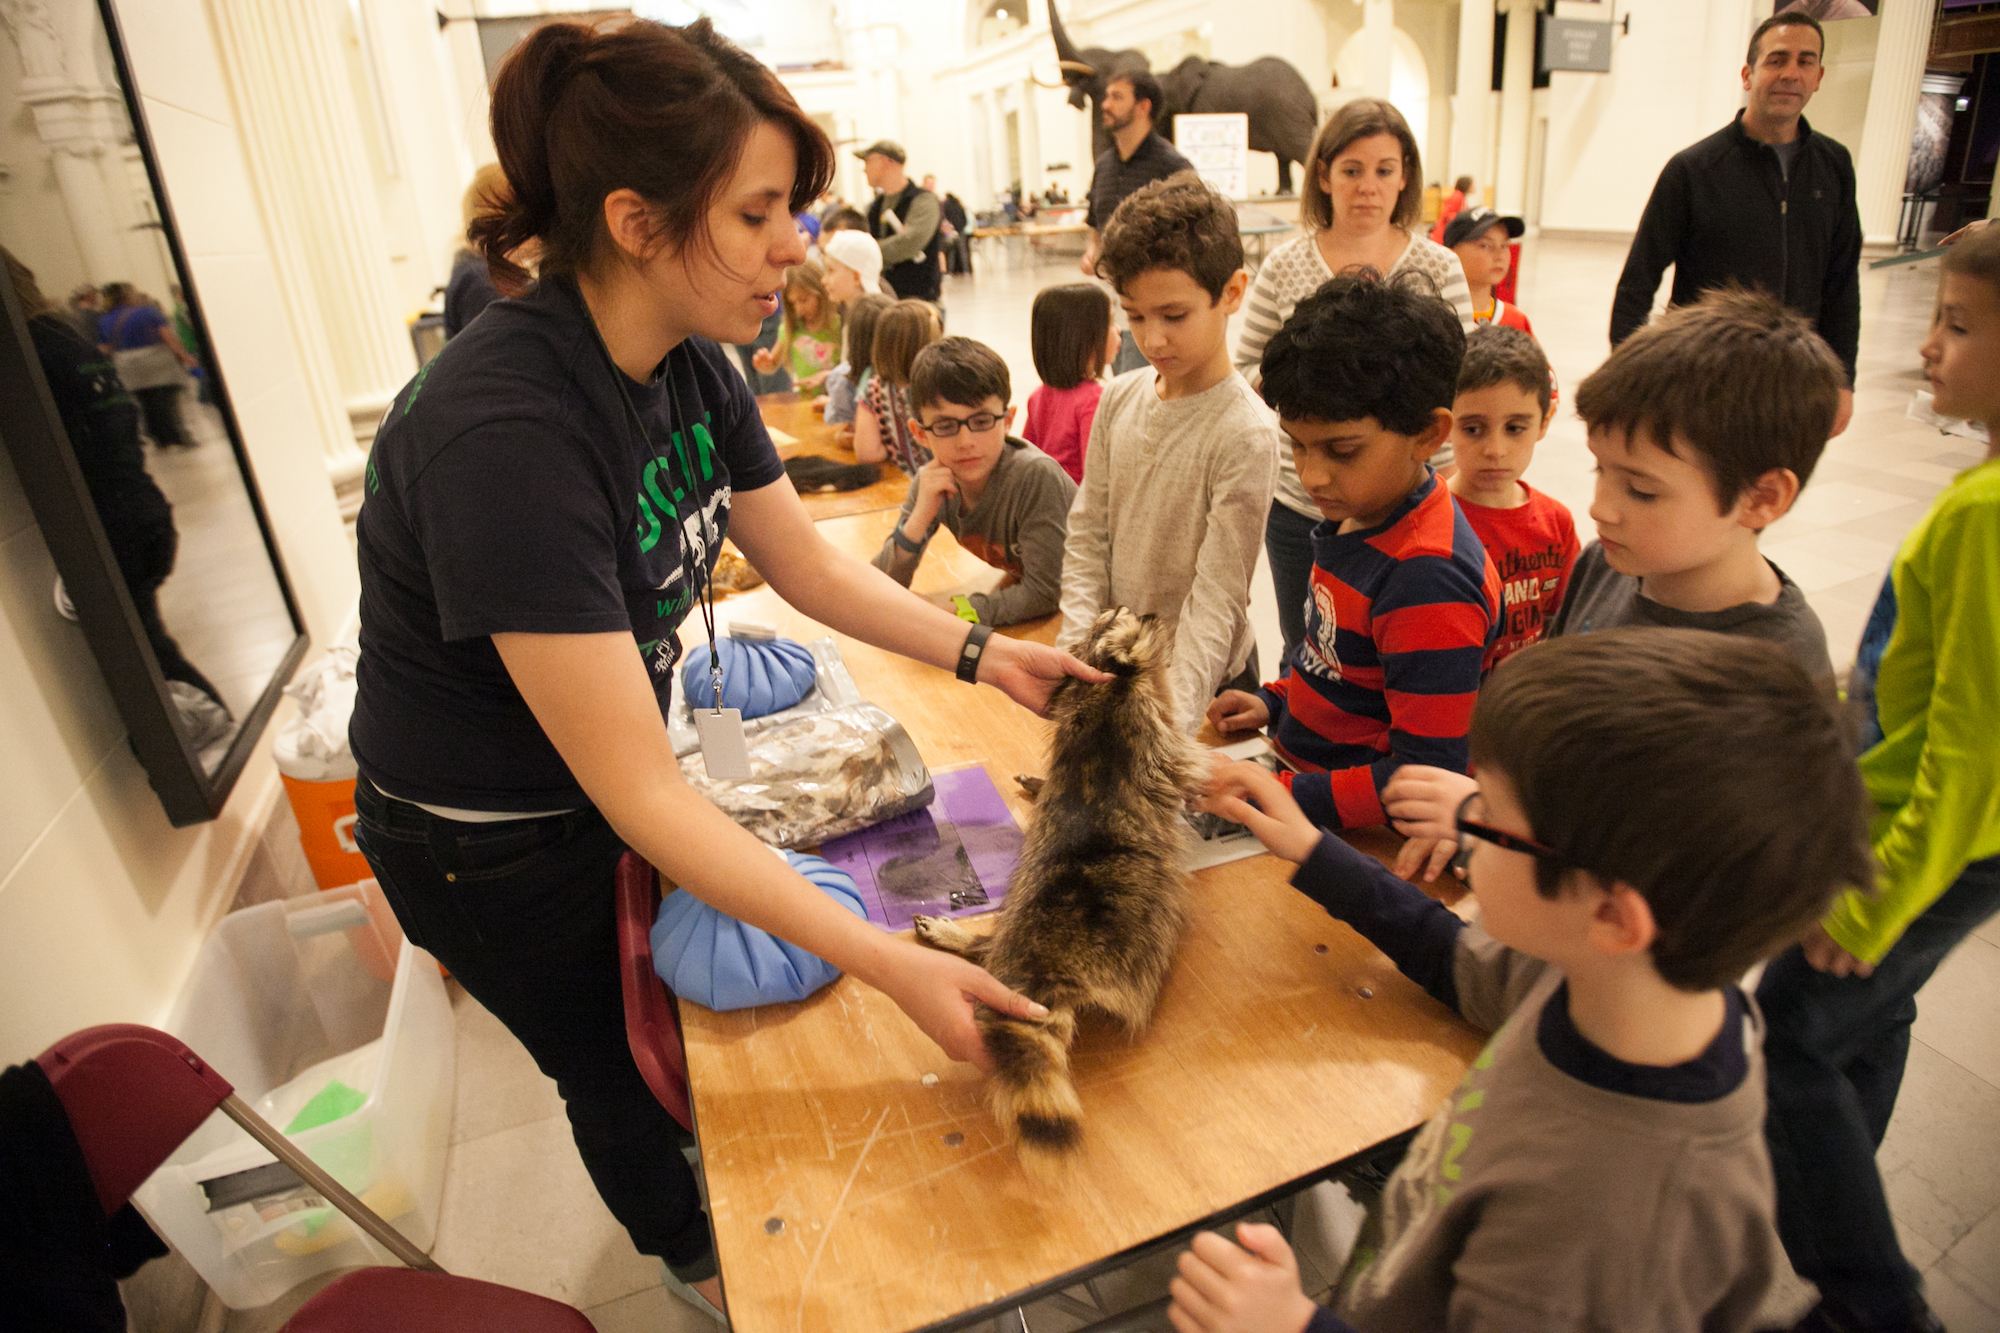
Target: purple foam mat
(953,859)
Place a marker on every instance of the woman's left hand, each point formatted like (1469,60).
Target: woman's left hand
(1028,672)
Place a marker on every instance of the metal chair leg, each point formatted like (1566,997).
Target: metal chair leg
(330,1189)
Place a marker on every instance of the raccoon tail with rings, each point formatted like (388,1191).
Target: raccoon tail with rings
(1033,1098)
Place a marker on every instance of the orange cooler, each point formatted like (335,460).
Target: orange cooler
(325,811)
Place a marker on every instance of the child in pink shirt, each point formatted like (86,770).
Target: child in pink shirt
(1074,339)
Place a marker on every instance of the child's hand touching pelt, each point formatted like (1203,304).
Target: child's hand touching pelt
(1252,796)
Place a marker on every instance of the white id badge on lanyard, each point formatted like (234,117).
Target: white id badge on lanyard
(724,752)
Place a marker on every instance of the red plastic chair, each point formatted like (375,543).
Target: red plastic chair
(133,1094)
(652,1027)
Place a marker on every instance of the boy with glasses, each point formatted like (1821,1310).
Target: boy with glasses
(1603,1164)
(1005,501)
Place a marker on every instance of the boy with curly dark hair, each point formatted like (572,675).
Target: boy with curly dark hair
(1182,457)
(1404,601)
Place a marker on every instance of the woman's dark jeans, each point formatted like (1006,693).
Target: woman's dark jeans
(1288,542)
(1834,1048)
(524,915)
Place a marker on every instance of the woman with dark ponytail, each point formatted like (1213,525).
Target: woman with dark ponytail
(543,507)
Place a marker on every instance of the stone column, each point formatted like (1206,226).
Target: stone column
(1471,137)
(1378,45)
(80,123)
(286,67)
(1031,138)
(1902,45)
(996,139)
(1517,94)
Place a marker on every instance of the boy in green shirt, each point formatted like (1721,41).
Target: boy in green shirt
(1839,1006)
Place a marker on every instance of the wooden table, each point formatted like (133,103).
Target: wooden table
(1019,239)
(793,415)
(852,1190)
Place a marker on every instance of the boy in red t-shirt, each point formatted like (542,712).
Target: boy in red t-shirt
(1502,411)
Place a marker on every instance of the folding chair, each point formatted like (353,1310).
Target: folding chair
(652,1027)
(133,1094)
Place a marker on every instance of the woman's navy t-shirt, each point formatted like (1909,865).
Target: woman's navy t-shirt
(509,491)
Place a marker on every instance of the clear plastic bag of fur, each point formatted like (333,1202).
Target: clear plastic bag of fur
(818,775)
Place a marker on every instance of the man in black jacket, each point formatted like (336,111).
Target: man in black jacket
(904,220)
(1138,156)
(1764,202)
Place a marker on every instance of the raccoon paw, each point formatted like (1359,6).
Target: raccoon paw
(944,934)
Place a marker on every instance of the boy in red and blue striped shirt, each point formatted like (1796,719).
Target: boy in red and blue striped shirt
(1404,601)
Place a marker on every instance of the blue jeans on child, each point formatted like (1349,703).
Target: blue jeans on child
(1835,1049)
(524,915)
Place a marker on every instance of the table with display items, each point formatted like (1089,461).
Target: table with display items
(856,1178)
(802,432)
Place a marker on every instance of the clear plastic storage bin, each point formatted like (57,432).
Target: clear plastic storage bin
(337,1031)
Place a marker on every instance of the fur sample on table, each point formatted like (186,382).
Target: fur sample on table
(1097,905)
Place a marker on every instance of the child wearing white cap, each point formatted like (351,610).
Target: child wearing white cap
(853,264)
(853,270)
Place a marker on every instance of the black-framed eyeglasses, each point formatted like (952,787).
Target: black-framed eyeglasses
(946,427)
(1469,829)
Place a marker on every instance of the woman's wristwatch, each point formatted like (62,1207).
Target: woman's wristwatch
(973,649)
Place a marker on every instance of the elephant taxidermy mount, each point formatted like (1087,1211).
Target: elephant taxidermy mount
(1284,114)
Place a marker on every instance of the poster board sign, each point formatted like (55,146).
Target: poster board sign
(1219,148)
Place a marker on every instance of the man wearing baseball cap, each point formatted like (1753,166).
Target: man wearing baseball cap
(1764,202)
(904,221)
(1479,237)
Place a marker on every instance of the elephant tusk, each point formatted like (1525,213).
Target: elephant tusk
(1040,84)
(1077,67)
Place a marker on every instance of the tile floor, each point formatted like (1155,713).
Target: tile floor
(519,1209)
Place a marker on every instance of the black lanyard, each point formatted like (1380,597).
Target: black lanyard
(696,572)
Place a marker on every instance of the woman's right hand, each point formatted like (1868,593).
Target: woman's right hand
(938,992)
(763,360)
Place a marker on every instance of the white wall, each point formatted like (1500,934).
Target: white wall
(1609,134)
(102,903)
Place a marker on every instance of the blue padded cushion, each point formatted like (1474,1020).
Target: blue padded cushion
(759,676)
(718,961)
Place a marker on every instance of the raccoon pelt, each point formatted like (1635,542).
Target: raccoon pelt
(1097,904)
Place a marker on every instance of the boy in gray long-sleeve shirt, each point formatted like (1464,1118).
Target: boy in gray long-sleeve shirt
(1005,501)
(1603,1164)
(1183,454)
